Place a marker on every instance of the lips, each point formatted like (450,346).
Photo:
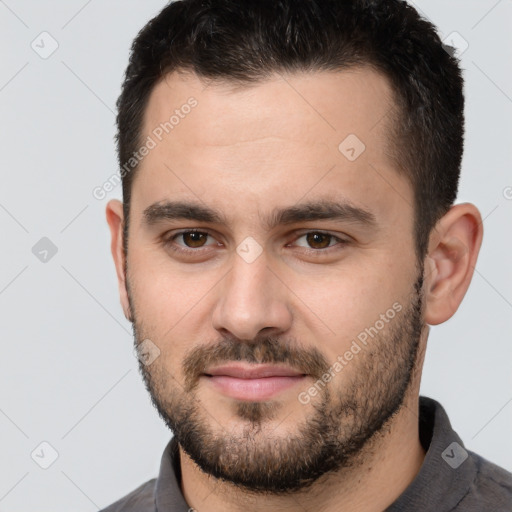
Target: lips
(253,372)
(252,382)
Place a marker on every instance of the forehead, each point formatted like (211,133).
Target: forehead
(330,104)
(292,133)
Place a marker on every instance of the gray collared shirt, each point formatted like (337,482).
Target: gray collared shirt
(450,479)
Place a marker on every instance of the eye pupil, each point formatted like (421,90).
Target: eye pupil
(318,240)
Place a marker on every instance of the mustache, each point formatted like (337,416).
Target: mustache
(268,350)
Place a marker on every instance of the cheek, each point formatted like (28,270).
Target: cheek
(339,305)
(161,289)
(168,301)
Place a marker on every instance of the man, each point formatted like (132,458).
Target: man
(286,238)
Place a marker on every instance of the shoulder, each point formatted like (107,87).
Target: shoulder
(140,500)
(491,488)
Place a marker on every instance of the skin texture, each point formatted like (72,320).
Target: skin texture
(302,302)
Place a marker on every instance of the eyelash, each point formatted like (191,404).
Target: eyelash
(168,242)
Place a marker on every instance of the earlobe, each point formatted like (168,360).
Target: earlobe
(115,220)
(449,265)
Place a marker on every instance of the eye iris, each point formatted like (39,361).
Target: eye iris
(194,239)
(318,240)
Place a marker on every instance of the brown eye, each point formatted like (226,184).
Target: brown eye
(194,238)
(190,243)
(319,243)
(318,240)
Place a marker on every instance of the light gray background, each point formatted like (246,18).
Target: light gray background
(67,372)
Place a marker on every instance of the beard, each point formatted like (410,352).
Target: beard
(340,423)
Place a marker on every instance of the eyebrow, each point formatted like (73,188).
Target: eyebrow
(302,212)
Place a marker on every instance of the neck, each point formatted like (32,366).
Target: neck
(383,470)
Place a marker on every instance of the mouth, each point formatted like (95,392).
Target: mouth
(252,382)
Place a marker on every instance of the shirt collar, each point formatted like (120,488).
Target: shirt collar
(168,495)
(444,477)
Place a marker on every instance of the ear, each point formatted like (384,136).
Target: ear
(453,250)
(115,220)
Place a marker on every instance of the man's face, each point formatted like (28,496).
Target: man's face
(332,300)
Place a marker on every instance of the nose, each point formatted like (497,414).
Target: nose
(251,298)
